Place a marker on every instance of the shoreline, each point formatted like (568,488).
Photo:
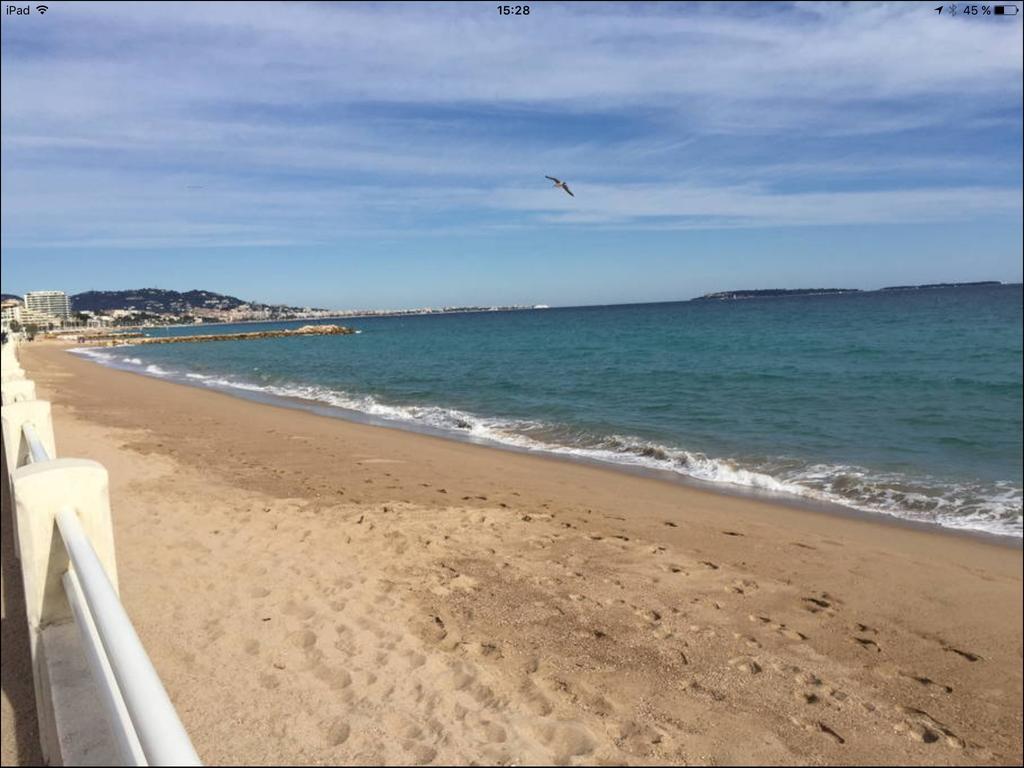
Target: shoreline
(317,590)
(789,499)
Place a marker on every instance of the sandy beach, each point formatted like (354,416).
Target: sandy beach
(315,591)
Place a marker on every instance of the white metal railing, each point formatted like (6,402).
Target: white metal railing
(36,449)
(128,746)
(134,688)
(143,722)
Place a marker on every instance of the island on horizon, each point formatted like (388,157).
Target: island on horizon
(762,293)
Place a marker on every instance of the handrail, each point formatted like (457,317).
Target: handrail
(160,732)
(142,717)
(120,721)
(36,449)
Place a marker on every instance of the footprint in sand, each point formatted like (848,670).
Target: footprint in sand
(741,586)
(807,678)
(824,603)
(806,697)
(964,654)
(927,682)
(303,638)
(334,678)
(745,664)
(650,616)
(746,639)
(566,740)
(919,726)
(301,611)
(421,753)
(269,681)
(534,700)
(779,629)
(338,733)
(414,659)
(820,727)
(867,644)
(892,672)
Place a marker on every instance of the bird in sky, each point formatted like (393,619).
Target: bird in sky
(561,185)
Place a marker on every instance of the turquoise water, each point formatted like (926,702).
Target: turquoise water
(906,404)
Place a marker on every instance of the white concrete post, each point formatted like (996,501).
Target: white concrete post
(17,391)
(12,418)
(39,492)
(8,357)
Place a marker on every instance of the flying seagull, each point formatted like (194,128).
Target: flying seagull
(561,184)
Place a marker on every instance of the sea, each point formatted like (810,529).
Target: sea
(904,404)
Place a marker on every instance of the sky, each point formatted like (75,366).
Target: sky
(388,155)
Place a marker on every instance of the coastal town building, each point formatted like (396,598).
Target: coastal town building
(53,303)
(10,311)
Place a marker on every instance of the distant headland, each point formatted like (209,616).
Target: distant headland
(767,293)
(928,286)
(772,293)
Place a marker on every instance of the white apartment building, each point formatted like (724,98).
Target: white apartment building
(10,311)
(53,303)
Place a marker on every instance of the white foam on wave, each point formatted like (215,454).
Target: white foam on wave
(963,507)
(999,514)
(94,353)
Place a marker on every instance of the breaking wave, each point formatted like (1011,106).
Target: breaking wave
(993,508)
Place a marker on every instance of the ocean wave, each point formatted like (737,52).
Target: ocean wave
(94,353)
(994,508)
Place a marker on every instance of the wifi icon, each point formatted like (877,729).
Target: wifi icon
(42,9)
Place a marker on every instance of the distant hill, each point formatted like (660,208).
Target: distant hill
(773,292)
(154,300)
(929,286)
(160,301)
(6,296)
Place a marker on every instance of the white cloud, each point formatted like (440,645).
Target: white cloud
(111,110)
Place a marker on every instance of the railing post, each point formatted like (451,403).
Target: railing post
(40,491)
(13,418)
(18,391)
(10,368)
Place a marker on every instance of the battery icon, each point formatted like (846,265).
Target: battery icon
(1006,10)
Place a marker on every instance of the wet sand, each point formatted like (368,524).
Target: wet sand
(319,591)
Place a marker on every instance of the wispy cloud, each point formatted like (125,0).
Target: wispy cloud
(305,123)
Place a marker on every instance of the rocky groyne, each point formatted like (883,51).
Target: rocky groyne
(306,330)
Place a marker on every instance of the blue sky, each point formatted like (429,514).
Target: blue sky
(391,155)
